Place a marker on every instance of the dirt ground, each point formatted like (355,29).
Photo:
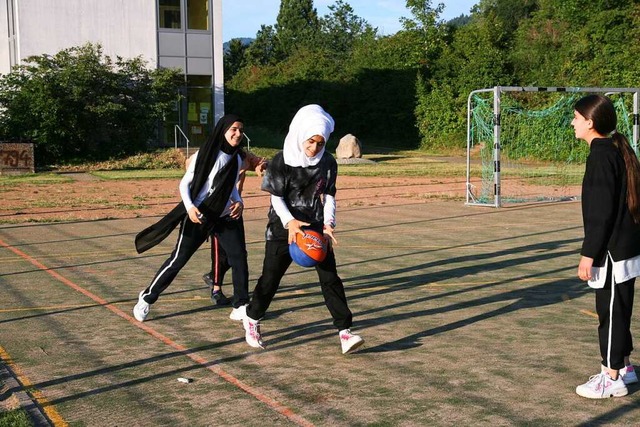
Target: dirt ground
(86,197)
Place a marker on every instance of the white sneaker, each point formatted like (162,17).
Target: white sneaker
(628,375)
(141,309)
(252,332)
(239,313)
(349,341)
(601,386)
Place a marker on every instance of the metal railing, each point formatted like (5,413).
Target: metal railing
(248,141)
(177,129)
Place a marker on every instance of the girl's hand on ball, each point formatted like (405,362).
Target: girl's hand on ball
(328,230)
(295,227)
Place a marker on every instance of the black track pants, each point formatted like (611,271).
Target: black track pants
(276,262)
(614,305)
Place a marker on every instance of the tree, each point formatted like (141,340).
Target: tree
(262,50)
(509,13)
(234,58)
(297,25)
(573,43)
(473,60)
(341,28)
(80,104)
(427,30)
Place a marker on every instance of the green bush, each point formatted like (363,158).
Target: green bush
(81,104)
(161,159)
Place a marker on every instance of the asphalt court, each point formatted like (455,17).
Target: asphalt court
(470,315)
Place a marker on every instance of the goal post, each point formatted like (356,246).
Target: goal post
(518,140)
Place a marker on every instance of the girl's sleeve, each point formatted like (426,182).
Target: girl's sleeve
(236,192)
(329,210)
(281,210)
(599,202)
(185,183)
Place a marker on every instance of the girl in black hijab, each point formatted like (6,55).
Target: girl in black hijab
(210,204)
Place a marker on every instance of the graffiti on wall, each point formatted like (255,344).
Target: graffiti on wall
(16,157)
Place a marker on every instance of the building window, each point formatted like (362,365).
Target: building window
(169,14)
(199,108)
(198,14)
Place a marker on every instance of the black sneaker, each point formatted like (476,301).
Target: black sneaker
(218,298)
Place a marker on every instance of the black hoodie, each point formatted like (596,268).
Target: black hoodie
(608,224)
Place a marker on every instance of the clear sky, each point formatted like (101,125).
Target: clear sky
(243,18)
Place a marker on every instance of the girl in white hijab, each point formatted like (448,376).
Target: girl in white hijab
(302,183)
(310,120)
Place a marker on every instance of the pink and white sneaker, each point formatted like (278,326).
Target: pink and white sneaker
(601,386)
(628,374)
(349,341)
(252,332)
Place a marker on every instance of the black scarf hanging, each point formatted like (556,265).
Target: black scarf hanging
(221,188)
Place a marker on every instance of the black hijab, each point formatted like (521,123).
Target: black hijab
(208,153)
(221,188)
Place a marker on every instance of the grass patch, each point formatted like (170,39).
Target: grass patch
(15,418)
(169,164)
(36,221)
(546,173)
(33,178)
(129,207)
(140,174)
(43,204)
(404,165)
(264,152)
(160,159)
(65,203)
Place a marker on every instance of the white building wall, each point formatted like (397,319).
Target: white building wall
(4,41)
(125,28)
(218,66)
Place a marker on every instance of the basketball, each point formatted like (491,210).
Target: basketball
(308,249)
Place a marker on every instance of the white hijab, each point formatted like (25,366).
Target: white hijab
(310,120)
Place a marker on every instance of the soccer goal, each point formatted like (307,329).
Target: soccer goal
(521,146)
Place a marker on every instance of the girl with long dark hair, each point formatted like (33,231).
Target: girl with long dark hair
(610,252)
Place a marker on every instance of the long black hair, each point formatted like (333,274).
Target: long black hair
(600,110)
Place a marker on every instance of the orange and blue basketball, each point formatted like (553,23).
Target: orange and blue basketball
(309,249)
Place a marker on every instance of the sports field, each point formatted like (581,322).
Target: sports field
(471,316)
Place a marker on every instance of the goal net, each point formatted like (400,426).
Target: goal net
(521,145)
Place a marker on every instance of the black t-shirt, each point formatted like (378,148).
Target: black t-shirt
(302,189)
